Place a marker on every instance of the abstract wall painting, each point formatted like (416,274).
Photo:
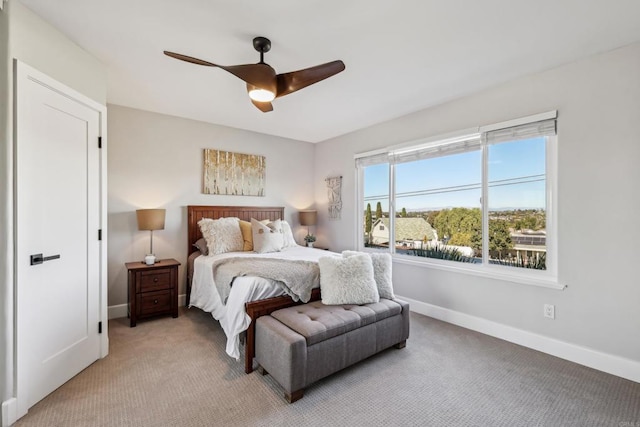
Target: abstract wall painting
(233,174)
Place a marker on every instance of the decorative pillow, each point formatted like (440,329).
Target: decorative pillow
(381,272)
(245,229)
(267,238)
(289,241)
(247,235)
(201,245)
(222,235)
(347,280)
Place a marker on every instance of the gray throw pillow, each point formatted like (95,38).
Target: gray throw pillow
(201,245)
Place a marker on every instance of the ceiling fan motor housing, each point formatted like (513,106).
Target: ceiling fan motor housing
(262,44)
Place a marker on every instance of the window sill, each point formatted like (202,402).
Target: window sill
(482,271)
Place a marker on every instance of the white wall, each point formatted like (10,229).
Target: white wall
(598,103)
(38,44)
(6,295)
(35,42)
(155,161)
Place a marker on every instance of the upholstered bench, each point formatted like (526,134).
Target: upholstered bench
(302,344)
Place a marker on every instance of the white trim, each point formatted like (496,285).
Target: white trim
(519,275)
(551,226)
(104,261)
(359,194)
(609,363)
(520,121)
(9,409)
(121,310)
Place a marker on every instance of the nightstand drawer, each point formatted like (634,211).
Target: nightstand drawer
(154,280)
(154,303)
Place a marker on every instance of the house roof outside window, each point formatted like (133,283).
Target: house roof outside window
(406,229)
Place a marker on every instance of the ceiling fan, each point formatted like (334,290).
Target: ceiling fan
(263,84)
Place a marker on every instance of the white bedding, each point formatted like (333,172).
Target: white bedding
(232,316)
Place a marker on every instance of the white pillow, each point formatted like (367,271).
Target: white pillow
(381,272)
(289,241)
(222,235)
(267,238)
(347,280)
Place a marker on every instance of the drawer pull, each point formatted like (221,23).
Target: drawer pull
(155,301)
(155,279)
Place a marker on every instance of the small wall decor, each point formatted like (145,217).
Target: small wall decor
(233,174)
(334,192)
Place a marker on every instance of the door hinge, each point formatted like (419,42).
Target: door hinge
(99,142)
(100,234)
(99,327)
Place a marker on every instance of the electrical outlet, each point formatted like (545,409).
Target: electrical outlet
(550,311)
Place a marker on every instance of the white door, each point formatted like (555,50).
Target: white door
(57,215)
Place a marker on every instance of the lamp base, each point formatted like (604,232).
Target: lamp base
(150,259)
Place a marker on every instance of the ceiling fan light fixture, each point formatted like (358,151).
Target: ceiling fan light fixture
(261,95)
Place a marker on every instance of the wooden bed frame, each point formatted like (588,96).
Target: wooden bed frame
(254,309)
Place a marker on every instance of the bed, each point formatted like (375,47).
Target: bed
(260,300)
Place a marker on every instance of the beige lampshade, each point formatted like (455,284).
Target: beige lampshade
(308,217)
(150,219)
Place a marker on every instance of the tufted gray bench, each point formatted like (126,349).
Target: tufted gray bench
(302,344)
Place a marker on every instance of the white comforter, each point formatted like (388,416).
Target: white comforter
(232,316)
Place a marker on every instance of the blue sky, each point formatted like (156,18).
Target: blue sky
(516,179)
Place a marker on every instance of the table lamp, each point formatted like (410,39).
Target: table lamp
(150,219)
(308,218)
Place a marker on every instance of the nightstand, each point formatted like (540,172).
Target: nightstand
(153,289)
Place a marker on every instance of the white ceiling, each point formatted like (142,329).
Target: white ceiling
(400,56)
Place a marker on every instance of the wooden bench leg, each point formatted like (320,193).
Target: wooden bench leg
(293,396)
(401,344)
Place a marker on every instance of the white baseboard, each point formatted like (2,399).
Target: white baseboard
(117,311)
(615,365)
(121,310)
(9,410)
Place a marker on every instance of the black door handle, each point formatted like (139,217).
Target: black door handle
(39,259)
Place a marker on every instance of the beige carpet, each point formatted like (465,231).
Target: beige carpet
(174,372)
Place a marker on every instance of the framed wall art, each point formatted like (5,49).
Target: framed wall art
(233,174)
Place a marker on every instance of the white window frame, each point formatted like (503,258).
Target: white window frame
(545,278)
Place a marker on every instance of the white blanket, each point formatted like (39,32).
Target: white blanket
(232,315)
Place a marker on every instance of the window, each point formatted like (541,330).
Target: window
(479,200)
(376,202)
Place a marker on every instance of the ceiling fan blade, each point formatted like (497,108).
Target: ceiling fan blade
(260,75)
(296,80)
(265,107)
(189,59)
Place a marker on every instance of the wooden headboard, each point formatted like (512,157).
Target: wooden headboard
(196,213)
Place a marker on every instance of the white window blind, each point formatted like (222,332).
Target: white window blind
(461,144)
(374,159)
(525,131)
(443,148)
